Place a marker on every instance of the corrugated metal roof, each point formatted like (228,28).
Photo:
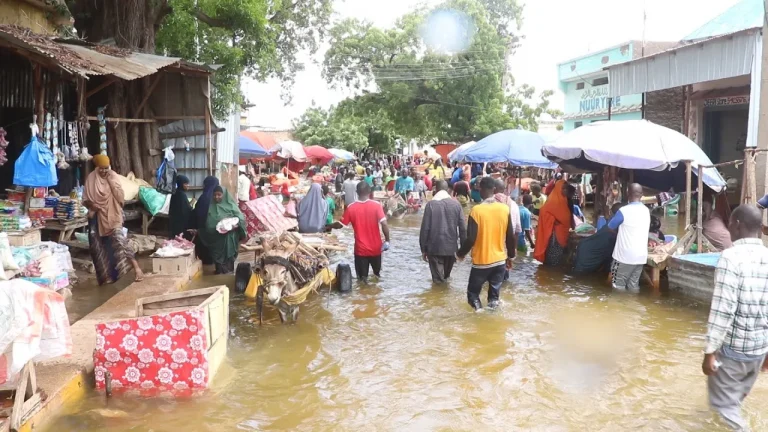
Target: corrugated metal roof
(747,14)
(135,65)
(717,58)
(84,59)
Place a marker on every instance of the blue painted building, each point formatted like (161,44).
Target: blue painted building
(584,80)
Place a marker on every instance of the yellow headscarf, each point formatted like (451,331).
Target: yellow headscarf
(101,161)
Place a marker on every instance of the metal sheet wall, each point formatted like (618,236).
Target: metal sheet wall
(192,163)
(226,142)
(724,57)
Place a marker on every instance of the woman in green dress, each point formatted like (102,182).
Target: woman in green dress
(223,246)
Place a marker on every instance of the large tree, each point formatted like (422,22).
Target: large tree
(257,38)
(429,93)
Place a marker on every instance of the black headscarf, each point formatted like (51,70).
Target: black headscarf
(201,209)
(180,211)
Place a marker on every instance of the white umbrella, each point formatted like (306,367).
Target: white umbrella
(342,154)
(456,153)
(633,144)
(290,150)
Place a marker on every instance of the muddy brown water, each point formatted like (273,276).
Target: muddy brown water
(563,353)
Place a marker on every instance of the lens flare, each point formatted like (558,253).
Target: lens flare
(448,31)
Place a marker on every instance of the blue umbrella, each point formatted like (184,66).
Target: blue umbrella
(517,147)
(249,147)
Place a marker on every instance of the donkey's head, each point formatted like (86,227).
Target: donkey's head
(275,272)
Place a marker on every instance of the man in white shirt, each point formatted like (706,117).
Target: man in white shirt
(243,186)
(631,251)
(350,189)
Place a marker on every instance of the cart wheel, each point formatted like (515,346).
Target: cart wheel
(242,276)
(344,277)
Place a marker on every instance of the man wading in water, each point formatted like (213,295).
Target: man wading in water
(442,231)
(737,331)
(366,216)
(489,232)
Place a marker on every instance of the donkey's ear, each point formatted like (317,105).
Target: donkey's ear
(266,244)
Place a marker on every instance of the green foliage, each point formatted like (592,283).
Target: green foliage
(257,38)
(355,124)
(435,96)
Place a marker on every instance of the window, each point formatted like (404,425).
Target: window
(580,86)
(577,125)
(599,81)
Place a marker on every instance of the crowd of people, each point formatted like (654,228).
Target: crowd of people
(497,226)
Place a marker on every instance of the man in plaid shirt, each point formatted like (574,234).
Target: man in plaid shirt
(737,332)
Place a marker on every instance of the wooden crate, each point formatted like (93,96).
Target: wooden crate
(24,238)
(186,265)
(174,345)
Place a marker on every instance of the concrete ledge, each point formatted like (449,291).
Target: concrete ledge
(67,380)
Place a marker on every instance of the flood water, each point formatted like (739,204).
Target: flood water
(561,354)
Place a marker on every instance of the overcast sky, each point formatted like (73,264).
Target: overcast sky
(555,31)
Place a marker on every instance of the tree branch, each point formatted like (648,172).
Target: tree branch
(213,22)
(162,11)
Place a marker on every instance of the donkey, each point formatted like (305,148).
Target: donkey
(278,280)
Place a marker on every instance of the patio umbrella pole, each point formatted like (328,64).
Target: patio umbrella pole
(700,208)
(687,194)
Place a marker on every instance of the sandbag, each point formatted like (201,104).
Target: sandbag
(152,200)
(594,252)
(130,188)
(140,182)
(36,166)
(6,255)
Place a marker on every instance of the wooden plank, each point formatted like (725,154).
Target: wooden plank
(121,120)
(189,117)
(101,87)
(167,298)
(699,210)
(208,143)
(687,194)
(189,133)
(151,89)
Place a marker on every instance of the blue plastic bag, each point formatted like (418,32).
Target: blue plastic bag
(36,166)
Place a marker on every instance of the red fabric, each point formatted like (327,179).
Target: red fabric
(555,218)
(159,354)
(391,185)
(428,182)
(318,155)
(252,192)
(365,217)
(264,215)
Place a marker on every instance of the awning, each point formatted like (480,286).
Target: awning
(712,59)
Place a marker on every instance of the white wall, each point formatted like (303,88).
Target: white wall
(226,142)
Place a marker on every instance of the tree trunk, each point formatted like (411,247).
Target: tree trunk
(132,25)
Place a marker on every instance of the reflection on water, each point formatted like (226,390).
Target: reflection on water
(562,354)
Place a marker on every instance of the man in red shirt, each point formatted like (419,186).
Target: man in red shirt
(366,216)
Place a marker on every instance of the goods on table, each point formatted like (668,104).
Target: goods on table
(3,145)
(52,281)
(66,208)
(175,247)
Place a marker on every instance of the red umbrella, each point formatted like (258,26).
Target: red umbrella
(319,155)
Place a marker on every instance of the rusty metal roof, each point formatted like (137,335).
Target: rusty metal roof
(84,59)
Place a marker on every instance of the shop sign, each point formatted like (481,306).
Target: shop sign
(596,99)
(726,101)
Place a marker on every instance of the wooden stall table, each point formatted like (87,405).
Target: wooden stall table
(147,219)
(66,228)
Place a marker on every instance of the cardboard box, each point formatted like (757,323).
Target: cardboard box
(24,238)
(36,203)
(39,192)
(40,213)
(186,265)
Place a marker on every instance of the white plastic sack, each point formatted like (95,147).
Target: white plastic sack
(6,255)
(226,225)
(170,252)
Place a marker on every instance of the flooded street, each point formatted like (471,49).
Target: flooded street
(561,354)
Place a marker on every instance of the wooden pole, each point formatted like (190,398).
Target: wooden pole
(208,147)
(745,176)
(700,208)
(762,123)
(687,194)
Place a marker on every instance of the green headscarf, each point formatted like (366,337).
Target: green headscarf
(222,246)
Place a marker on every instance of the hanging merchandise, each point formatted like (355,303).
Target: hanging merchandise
(166,174)
(36,166)
(102,130)
(47,131)
(3,145)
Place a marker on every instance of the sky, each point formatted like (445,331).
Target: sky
(554,31)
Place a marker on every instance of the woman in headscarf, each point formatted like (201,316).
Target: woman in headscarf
(313,211)
(180,211)
(103,196)
(201,215)
(555,223)
(223,246)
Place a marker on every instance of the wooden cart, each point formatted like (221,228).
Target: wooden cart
(26,401)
